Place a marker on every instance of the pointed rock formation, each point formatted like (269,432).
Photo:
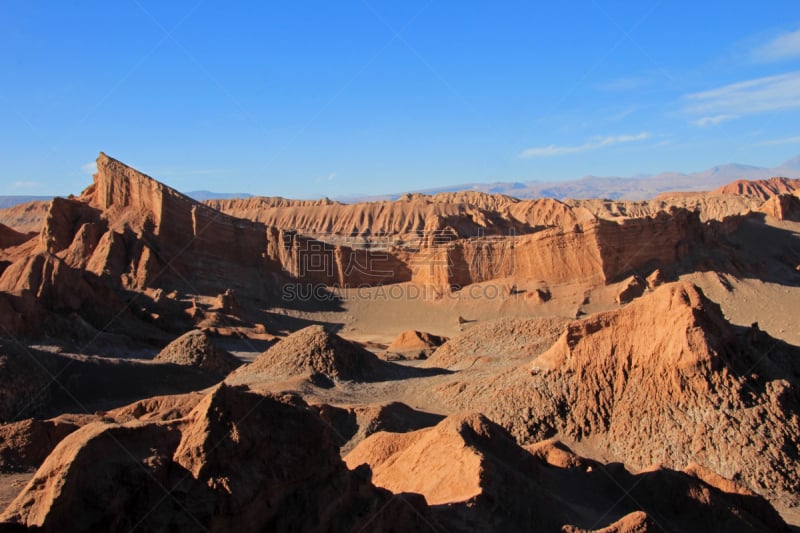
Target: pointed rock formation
(413,344)
(631,288)
(666,380)
(313,351)
(477,478)
(195,348)
(238,461)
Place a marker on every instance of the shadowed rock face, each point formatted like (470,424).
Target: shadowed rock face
(476,476)
(9,237)
(235,460)
(35,383)
(26,444)
(783,207)
(666,380)
(238,461)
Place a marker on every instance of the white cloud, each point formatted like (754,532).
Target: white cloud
(775,142)
(772,93)
(784,46)
(90,167)
(597,142)
(713,120)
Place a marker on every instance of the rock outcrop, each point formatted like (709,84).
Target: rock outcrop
(783,206)
(352,424)
(25,218)
(477,477)
(323,356)
(238,461)
(761,189)
(195,348)
(414,344)
(666,380)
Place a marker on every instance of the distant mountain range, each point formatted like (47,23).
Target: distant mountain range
(11,201)
(200,196)
(614,188)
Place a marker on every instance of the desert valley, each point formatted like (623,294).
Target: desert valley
(451,362)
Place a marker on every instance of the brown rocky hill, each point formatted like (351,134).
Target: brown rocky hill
(414,344)
(476,477)
(323,357)
(25,218)
(665,380)
(708,205)
(195,348)
(237,461)
(762,189)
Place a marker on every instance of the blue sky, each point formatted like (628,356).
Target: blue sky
(308,99)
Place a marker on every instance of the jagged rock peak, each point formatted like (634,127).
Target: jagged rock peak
(118,185)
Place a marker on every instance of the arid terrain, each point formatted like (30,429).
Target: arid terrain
(459,361)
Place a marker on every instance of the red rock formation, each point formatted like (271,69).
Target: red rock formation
(666,380)
(352,424)
(25,218)
(468,214)
(631,288)
(133,233)
(783,207)
(316,353)
(238,461)
(763,189)
(477,477)
(415,344)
